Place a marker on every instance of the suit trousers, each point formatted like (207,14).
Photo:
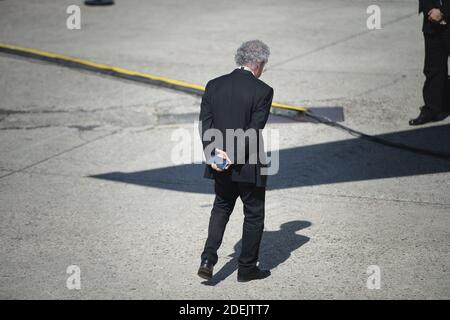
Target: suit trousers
(436,88)
(253,199)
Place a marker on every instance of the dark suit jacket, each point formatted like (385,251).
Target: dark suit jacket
(236,101)
(425,6)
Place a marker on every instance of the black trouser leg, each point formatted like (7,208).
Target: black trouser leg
(447,88)
(447,97)
(435,71)
(226,195)
(253,199)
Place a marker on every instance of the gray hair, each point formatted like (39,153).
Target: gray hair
(252,53)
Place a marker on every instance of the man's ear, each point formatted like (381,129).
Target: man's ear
(261,68)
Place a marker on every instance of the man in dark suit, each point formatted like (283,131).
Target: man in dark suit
(436,31)
(237,102)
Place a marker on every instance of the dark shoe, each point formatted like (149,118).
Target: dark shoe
(99,2)
(442,115)
(254,274)
(206,270)
(425,116)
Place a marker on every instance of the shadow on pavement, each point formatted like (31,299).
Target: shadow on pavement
(276,248)
(326,163)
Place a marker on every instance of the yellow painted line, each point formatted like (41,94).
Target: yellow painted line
(285,106)
(126,71)
(102,66)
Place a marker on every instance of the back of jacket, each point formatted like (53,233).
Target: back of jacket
(236,101)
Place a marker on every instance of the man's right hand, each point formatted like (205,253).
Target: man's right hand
(435,15)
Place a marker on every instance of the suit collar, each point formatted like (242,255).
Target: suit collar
(243,71)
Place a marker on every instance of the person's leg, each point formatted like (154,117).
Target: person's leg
(447,88)
(436,73)
(253,199)
(446,108)
(226,195)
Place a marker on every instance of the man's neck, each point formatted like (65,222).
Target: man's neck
(247,68)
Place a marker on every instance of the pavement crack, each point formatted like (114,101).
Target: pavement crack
(79,127)
(84,128)
(337,42)
(60,153)
(363,197)
(383,86)
(8,112)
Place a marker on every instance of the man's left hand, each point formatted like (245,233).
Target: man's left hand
(221,154)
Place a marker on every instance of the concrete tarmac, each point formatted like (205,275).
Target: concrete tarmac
(86,176)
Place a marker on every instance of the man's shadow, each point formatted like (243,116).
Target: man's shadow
(276,248)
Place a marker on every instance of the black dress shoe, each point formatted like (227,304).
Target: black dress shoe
(425,116)
(99,2)
(442,115)
(206,270)
(254,274)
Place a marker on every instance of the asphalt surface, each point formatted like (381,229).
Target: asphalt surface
(86,176)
